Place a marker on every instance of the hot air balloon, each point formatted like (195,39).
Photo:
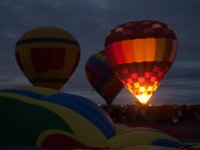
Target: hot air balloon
(47,56)
(46,118)
(101,77)
(140,54)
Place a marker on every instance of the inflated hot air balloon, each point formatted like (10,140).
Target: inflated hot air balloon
(47,56)
(47,118)
(102,78)
(141,53)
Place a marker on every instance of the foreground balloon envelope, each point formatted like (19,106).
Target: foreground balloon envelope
(137,138)
(47,56)
(46,118)
(141,53)
(101,77)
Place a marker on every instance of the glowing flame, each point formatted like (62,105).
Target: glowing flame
(143,98)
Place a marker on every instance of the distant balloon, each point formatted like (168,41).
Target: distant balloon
(102,78)
(141,53)
(47,56)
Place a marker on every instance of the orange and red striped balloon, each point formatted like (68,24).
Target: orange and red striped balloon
(141,53)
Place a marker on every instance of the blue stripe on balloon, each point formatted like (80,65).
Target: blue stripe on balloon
(165,142)
(23,92)
(47,40)
(86,108)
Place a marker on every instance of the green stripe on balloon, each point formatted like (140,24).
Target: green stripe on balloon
(21,122)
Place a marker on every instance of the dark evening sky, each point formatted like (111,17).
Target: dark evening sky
(89,21)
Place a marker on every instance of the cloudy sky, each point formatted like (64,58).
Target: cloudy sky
(89,21)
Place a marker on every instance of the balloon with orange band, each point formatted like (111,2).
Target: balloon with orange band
(141,53)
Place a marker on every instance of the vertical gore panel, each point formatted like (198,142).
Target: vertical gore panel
(109,55)
(127,48)
(118,52)
(138,47)
(168,49)
(160,49)
(150,49)
(47,58)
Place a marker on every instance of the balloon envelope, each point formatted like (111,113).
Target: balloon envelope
(102,78)
(47,56)
(44,117)
(141,53)
(137,138)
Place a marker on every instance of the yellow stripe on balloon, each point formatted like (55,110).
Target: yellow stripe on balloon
(138,49)
(150,49)
(70,57)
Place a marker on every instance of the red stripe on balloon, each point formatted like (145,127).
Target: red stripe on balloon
(61,142)
(47,58)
